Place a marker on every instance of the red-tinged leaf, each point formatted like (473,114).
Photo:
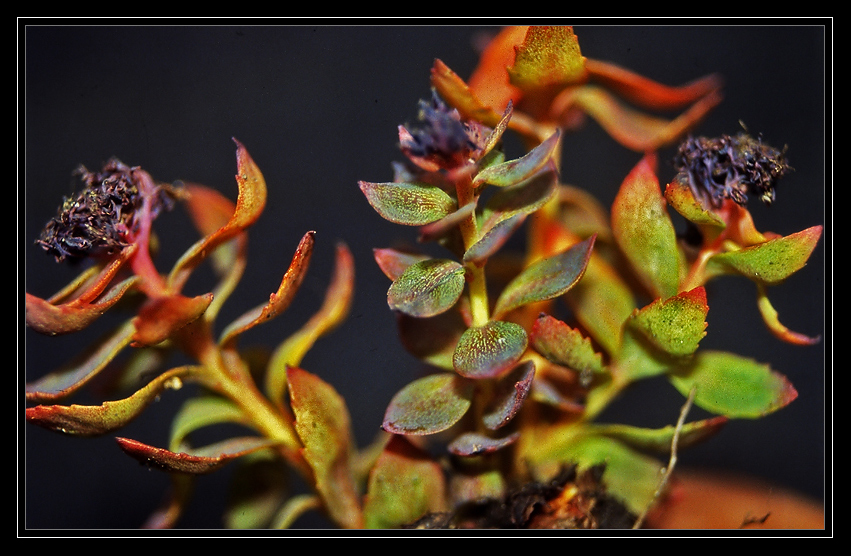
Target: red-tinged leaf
(564,345)
(334,310)
(427,288)
(322,423)
(161,317)
(632,129)
(545,279)
(772,321)
(81,420)
(489,81)
(432,340)
(680,197)
(250,202)
(79,372)
(647,93)
(548,57)
(521,199)
(404,485)
(410,204)
(544,391)
(644,231)
(772,261)
(278,301)
(510,393)
(429,405)
(439,229)
(73,316)
(91,283)
(659,440)
(201,461)
(513,172)
(733,386)
(675,325)
(475,444)
(493,239)
(455,92)
(487,351)
(393,262)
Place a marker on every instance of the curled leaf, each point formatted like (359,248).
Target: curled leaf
(201,461)
(162,316)
(770,317)
(428,405)
(546,279)
(427,288)
(487,351)
(510,393)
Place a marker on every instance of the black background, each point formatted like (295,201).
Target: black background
(317,107)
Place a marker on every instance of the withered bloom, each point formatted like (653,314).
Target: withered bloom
(105,217)
(731,168)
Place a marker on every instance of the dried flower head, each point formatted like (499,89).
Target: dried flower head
(731,168)
(103,218)
(443,141)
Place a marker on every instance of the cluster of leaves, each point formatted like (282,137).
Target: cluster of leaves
(515,390)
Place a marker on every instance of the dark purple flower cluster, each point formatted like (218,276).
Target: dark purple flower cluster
(730,168)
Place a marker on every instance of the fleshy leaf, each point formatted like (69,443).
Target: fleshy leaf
(564,345)
(733,386)
(487,351)
(772,261)
(493,239)
(427,288)
(322,423)
(511,392)
(82,420)
(521,199)
(404,485)
(335,307)
(659,440)
(200,412)
(457,94)
(250,202)
(769,316)
(674,325)
(548,57)
(161,317)
(546,279)
(411,204)
(439,229)
(278,301)
(644,231)
(474,444)
(75,375)
(515,171)
(200,461)
(680,197)
(428,405)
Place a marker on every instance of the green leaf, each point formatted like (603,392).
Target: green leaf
(486,351)
(521,199)
(258,488)
(674,326)
(733,386)
(200,412)
(680,197)
(549,56)
(564,345)
(427,288)
(411,204)
(659,440)
(644,231)
(322,423)
(770,262)
(493,239)
(404,485)
(545,279)
(518,170)
(428,405)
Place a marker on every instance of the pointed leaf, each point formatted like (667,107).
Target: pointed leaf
(161,317)
(393,262)
(510,393)
(772,261)
(493,239)
(203,411)
(82,420)
(659,440)
(515,171)
(475,444)
(733,386)
(549,56)
(674,325)
(201,461)
(521,199)
(411,204)
(250,203)
(428,405)
(427,288)
(404,485)
(564,345)
(680,197)
(487,351)
(278,301)
(455,92)
(69,379)
(322,423)
(436,230)
(644,231)
(770,317)
(546,279)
